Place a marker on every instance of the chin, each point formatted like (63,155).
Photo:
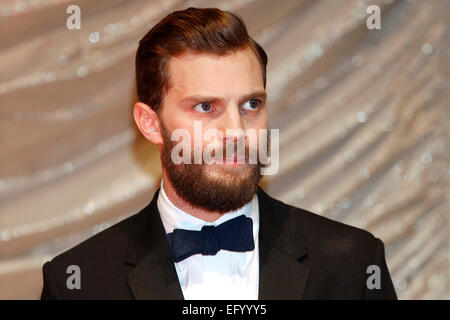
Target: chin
(230,171)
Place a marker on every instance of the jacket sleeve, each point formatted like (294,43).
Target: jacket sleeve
(50,289)
(386,290)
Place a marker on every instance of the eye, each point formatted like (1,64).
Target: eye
(203,107)
(251,104)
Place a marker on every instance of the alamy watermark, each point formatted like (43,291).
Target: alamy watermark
(259,147)
(374,20)
(74,280)
(74,20)
(374,280)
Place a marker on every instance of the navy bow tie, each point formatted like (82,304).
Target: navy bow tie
(235,235)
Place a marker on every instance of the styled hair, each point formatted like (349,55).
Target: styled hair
(206,30)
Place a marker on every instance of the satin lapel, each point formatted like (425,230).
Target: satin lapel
(281,275)
(154,276)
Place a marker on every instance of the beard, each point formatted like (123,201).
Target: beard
(212,187)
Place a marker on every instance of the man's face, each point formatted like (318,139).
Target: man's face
(221,92)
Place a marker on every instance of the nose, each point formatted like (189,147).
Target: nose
(233,129)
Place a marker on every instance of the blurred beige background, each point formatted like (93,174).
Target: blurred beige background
(363,118)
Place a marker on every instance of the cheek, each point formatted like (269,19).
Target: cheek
(173,122)
(264,119)
(258,123)
(262,123)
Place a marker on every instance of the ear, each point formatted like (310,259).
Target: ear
(147,121)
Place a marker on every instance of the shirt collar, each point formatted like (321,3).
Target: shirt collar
(174,218)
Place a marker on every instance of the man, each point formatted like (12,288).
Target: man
(210,232)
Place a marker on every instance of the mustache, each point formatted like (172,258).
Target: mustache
(234,150)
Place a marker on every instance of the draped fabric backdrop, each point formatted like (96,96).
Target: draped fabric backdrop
(363,118)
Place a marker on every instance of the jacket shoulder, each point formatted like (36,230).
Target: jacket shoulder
(329,243)
(103,245)
(99,261)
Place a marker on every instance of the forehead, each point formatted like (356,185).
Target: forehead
(204,73)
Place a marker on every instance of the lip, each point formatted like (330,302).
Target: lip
(233,161)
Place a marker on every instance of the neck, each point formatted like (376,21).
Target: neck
(180,203)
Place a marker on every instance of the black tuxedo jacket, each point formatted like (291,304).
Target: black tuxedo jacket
(302,256)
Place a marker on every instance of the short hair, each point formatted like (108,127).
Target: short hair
(206,30)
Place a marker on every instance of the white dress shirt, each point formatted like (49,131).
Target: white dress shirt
(226,275)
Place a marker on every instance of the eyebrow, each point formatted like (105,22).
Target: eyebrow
(199,98)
